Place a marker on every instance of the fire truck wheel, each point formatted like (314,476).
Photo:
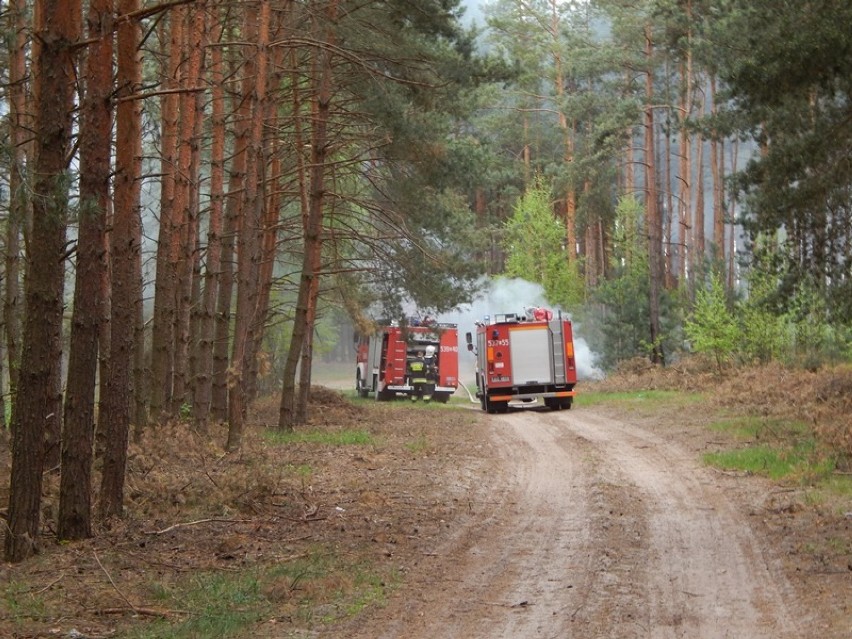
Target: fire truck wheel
(360,386)
(443,398)
(495,407)
(557,403)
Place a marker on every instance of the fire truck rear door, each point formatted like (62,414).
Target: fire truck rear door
(530,354)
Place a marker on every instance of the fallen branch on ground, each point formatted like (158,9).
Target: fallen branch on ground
(195,523)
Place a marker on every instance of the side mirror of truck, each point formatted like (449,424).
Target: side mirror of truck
(469,339)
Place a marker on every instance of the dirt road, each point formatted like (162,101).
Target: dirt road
(594,527)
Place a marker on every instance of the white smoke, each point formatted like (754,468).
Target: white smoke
(511,295)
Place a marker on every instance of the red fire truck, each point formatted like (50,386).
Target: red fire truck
(382,359)
(524,358)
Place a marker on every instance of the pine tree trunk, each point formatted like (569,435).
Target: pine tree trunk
(4,425)
(75,507)
(56,31)
(129,75)
(287,417)
(104,335)
(568,133)
(685,171)
(222,320)
(248,239)
(271,196)
(203,391)
(187,197)
(125,248)
(732,209)
(306,364)
(593,259)
(141,372)
(300,405)
(717,155)
(698,244)
(670,270)
(168,249)
(18,200)
(234,206)
(268,249)
(653,218)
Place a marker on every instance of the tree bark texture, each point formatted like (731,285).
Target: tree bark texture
(19,204)
(251,221)
(652,211)
(75,487)
(203,385)
(685,169)
(717,155)
(168,241)
(698,243)
(57,29)
(124,254)
(322,97)
(234,205)
(187,198)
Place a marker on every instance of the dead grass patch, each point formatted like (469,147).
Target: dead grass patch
(322,526)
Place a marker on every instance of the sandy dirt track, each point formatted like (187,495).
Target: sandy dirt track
(594,527)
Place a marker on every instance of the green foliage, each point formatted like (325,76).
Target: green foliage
(535,246)
(220,605)
(418,445)
(628,237)
(797,462)
(780,448)
(712,327)
(20,604)
(798,328)
(764,333)
(619,318)
(225,604)
(789,80)
(814,338)
(622,318)
(333,438)
(633,400)
(752,427)
(276,337)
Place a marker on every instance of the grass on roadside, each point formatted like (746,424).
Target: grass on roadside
(781,449)
(317,586)
(637,398)
(345,437)
(19,603)
(795,463)
(766,429)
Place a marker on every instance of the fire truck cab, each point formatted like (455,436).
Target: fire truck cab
(382,359)
(524,358)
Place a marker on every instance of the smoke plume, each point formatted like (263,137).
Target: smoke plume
(505,295)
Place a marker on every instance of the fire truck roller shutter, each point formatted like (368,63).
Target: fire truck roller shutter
(531,355)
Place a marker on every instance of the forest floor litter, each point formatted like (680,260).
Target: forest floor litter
(364,519)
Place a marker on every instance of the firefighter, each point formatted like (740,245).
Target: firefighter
(417,376)
(431,373)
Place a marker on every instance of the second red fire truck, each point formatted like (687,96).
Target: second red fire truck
(524,358)
(382,359)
